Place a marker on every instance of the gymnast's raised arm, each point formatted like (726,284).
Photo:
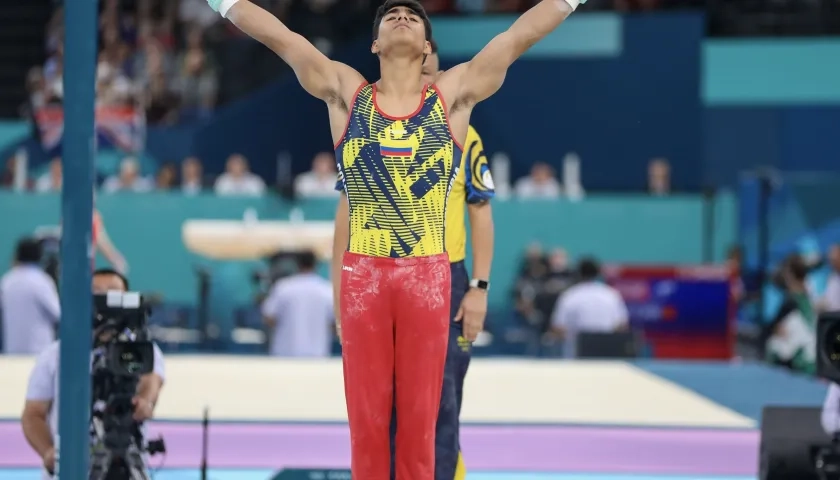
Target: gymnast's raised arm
(317,74)
(482,76)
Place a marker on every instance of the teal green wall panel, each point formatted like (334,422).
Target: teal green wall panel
(593,35)
(147,228)
(771,72)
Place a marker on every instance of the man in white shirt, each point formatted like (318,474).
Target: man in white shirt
(29,303)
(300,310)
(320,181)
(590,306)
(830,301)
(238,180)
(40,413)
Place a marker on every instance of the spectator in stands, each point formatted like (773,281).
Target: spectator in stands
(192,176)
(40,412)
(50,181)
(153,68)
(238,180)
(160,102)
(659,177)
(830,301)
(299,309)
(151,62)
(36,89)
(167,177)
(128,180)
(791,336)
(541,183)
(29,301)
(196,82)
(590,306)
(320,181)
(112,87)
(54,76)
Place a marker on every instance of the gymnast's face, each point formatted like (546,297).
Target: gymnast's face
(402,27)
(431,69)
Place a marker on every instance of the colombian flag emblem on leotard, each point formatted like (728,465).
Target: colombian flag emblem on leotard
(396,148)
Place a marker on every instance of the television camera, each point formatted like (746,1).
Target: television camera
(123,352)
(827,456)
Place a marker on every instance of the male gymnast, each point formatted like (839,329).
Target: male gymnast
(474,188)
(398,144)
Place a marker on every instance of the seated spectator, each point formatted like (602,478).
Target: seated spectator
(166,177)
(36,89)
(659,177)
(238,180)
(50,181)
(320,181)
(192,176)
(128,180)
(196,81)
(541,183)
(590,306)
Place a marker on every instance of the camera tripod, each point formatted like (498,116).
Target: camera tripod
(105,465)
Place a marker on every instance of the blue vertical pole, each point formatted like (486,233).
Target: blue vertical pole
(80,23)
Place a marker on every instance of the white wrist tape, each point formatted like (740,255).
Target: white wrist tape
(225,6)
(572,3)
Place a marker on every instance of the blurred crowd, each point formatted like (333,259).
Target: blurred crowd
(162,56)
(152,55)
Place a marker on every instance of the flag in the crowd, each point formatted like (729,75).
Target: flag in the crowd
(122,128)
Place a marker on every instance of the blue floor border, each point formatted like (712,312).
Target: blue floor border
(743,387)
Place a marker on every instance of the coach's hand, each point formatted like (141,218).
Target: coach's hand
(472,312)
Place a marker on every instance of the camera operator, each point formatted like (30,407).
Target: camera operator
(40,413)
(791,336)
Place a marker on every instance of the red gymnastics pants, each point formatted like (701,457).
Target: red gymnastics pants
(394,333)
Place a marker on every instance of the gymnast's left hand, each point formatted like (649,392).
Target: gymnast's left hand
(472,312)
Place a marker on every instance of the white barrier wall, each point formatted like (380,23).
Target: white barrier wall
(496,391)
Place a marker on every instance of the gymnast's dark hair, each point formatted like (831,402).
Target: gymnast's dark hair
(413,5)
(111,271)
(433,43)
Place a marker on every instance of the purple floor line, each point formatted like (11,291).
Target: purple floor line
(515,448)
